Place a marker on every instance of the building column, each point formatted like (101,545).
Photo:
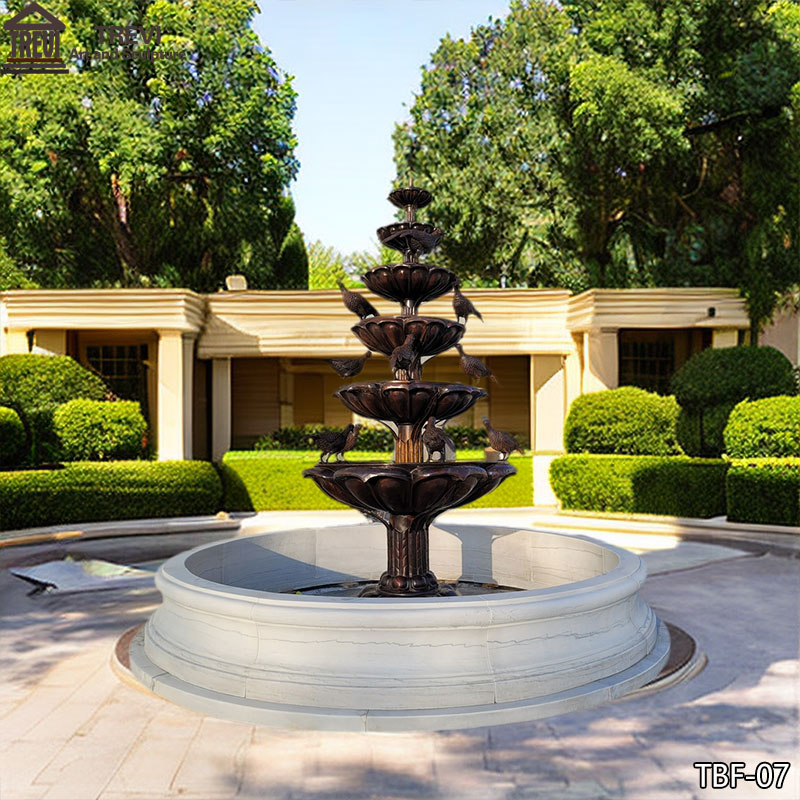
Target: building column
(16,341)
(220,407)
(600,360)
(286,395)
(175,366)
(724,337)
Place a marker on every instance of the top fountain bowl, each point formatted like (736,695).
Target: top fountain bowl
(417,283)
(384,334)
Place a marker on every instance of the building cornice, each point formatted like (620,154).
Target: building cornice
(316,323)
(105,309)
(612,309)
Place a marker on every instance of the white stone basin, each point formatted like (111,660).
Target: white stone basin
(226,641)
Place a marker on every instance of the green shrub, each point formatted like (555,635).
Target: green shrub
(12,437)
(371,438)
(301,437)
(670,485)
(730,374)
(627,421)
(98,430)
(765,491)
(274,481)
(766,428)
(37,384)
(92,492)
(700,433)
(714,380)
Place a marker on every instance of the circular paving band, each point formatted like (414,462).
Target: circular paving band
(225,641)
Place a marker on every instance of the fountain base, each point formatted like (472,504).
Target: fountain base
(230,639)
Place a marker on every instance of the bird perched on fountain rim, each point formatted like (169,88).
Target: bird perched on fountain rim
(473,366)
(504,443)
(404,355)
(436,440)
(357,303)
(338,442)
(348,367)
(463,305)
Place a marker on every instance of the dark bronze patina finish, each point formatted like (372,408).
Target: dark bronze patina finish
(408,494)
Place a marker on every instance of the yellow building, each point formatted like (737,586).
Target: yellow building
(214,372)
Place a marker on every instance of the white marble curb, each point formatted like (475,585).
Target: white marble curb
(276,715)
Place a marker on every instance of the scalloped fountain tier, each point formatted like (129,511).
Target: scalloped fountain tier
(432,335)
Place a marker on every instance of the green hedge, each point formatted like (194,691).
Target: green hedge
(36,385)
(274,481)
(370,438)
(766,428)
(91,492)
(671,485)
(764,490)
(12,437)
(628,421)
(98,430)
(730,374)
(701,433)
(714,380)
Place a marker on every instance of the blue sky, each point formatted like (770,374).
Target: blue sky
(355,63)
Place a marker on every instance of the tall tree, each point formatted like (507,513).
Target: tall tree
(132,171)
(628,142)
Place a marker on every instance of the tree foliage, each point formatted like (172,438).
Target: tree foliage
(326,265)
(149,172)
(622,143)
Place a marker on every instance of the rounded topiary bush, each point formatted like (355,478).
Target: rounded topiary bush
(95,430)
(12,437)
(766,428)
(700,433)
(713,381)
(36,385)
(730,374)
(625,421)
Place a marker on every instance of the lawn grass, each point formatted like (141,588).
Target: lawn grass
(272,480)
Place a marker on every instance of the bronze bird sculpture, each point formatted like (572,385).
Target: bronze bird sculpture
(436,440)
(404,356)
(463,305)
(473,366)
(348,367)
(504,443)
(357,303)
(338,442)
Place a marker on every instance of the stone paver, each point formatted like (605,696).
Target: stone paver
(71,730)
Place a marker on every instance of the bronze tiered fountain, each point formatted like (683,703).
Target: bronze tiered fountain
(407,494)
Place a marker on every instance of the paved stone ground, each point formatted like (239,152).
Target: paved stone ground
(71,730)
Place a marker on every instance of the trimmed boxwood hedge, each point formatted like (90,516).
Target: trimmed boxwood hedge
(714,380)
(764,490)
(98,430)
(766,428)
(12,437)
(85,491)
(371,438)
(728,374)
(627,420)
(670,485)
(701,433)
(36,384)
(273,481)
